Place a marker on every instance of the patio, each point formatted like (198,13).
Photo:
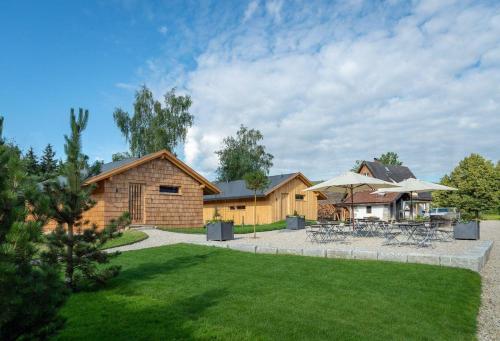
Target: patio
(458,253)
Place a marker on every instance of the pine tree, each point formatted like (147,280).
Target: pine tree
(31,292)
(48,163)
(74,242)
(31,160)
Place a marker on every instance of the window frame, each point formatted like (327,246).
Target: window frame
(302,197)
(169,193)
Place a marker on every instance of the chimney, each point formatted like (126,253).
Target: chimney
(375,159)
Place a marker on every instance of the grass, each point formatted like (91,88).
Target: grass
(127,237)
(238,229)
(185,292)
(490,216)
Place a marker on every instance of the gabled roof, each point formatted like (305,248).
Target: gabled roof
(388,173)
(237,189)
(117,167)
(392,173)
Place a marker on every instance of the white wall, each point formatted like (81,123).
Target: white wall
(380,211)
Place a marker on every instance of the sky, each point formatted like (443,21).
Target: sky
(327,83)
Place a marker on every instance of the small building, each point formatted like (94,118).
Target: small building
(389,205)
(284,196)
(157,189)
(382,206)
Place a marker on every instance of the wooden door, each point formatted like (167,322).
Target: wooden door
(284,205)
(136,203)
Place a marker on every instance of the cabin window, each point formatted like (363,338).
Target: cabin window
(299,197)
(169,189)
(232,208)
(368,209)
(242,207)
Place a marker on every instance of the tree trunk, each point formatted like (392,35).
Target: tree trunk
(254,214)
(69,258)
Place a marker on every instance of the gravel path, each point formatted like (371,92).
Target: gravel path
(489,313)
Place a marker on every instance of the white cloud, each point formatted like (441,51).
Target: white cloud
(163,30)
(273,8)
(326,91)
(251,9)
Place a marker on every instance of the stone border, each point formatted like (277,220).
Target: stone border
(473,259)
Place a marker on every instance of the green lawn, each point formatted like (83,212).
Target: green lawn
(127,237)
(184,292)
(238,229)
(490,216)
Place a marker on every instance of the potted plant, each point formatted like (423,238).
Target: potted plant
(218,229)
(467,230)
(295,221)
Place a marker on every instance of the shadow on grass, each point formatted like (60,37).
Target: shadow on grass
(146,271)
(114,319)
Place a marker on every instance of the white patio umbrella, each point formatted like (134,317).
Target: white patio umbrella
(352,182)
(414,186)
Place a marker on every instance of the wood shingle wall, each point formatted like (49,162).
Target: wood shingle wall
(275,207)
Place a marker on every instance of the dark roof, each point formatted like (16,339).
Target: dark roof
(238,190)
(388,173)
(332,198)
(106,167)
(392,173)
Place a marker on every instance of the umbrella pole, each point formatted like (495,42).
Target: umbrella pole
(352,211)
(411,205)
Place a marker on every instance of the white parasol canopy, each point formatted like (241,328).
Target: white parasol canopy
(352,182)
(414,186)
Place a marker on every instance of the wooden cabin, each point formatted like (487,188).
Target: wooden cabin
(157,189)
(284,196)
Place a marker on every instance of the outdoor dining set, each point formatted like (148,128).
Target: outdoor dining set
(419,234)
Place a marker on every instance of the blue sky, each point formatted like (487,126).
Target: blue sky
(326,82)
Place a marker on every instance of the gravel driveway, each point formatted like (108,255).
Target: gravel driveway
(489,314)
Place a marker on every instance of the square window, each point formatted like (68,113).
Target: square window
(169,189)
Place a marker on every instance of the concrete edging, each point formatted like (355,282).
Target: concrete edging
(474,259)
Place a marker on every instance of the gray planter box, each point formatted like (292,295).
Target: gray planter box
(295,222)
(469,230)
(220,230)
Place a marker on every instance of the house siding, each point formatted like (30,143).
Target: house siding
(269,209)
(172,210)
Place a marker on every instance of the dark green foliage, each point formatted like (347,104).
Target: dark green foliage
(188,292)
(48,163)
(31,292)
(356,166)
(88,257)
(478,183)
(74,243)
(120,156)
(390,158)
(154,127)
(31,163)
(256,181)
(243,154)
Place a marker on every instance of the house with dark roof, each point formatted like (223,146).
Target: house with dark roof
(383,206)
(157,189)
(283,196)
(389,205)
